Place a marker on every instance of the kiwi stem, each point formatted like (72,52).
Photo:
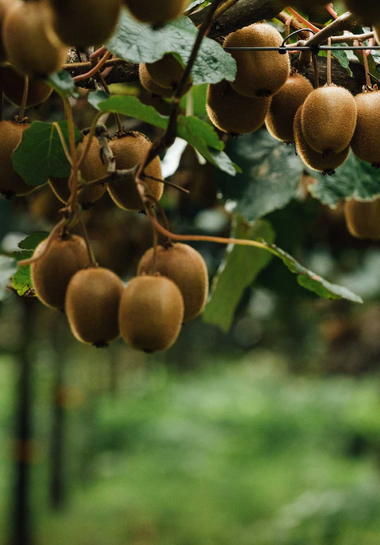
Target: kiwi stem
(21,114)
(90,252)
(107,90)
(316,71)
(366,68)
(63,141)
(73,180)
(95,69)
(302,19)
(329,56)
(155,243)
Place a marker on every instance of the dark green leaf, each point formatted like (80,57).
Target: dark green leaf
(62,83)
(8,267)
(32,241)
(41,155)
(239,269)
(21,280)
(139,43)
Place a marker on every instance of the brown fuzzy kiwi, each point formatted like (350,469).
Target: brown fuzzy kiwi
(129,150)
(11,183)
(365,142)
(284,106)
(151,313)
(13,88)
(148,84)
(363,218)
(234,113)
(367,11)
(52,273)
(29,41)
(85,22)
(259,74)
(4,7)
(314,160)
(329,117)
(167,72)
(91,169)
(186,267)
(92,306)
(156,13)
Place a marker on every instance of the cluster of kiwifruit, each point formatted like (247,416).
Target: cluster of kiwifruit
(171,288)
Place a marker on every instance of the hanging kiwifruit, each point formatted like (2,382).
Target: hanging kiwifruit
(151,313)
(314,160)
(129,150)
(92,306)
(186,267)
(85,22)
(91,169)
(29,41)
(365,142)
(155,13)
(151,86)
(284,106)
(367,11)
(167,72)
(52,273)
(363,218)
(259,74)
(234,113)
(4,7)
(13,88)
(11,183)
(329,117)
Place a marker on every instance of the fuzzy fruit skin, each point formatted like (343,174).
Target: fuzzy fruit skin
(233,113)
(310,157)
(363,218)
(151,313)
(52,273)
(329,116)
(365,143)
(11,184)
(4,7)
(367,11)
(29,41)
(284,106)
(259,74)
(129,150)
(86,22)
(167,72)
(156,13)
(186,268)
(13,87)
(152,87)
(92,306)
(91,169)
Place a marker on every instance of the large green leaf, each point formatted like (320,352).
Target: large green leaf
(7,269)
(238,270)
(199,134)
(354,178)
(139,43)
(41,155)
(21,280)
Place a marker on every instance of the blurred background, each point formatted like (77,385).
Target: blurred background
(268,433)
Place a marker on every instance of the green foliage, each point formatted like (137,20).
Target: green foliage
(7,269)
(62,83)
(238,270)
(21,280)
(139,43)
(41,155)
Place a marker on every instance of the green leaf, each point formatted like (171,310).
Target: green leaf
(21,280)
(354,178)
(270,179)
(239,269)
(139,43)
(7,269)
(62,83)
(41,155)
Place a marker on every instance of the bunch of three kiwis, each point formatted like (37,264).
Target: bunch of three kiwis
(148,312)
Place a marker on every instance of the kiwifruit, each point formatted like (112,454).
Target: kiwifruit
(186,267)
(367,11)
(129,150)
(365,142)
(85,22)
(156,13)
(52,273)
(4,6)
(259,74)
(167,72)
(329,117)
(284,106)
(13,88)
(29,41)
(11,183)
(363,218)
(314,160)
(92,306)
(151,313)
(91,169)
(148,84)
(234,113)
